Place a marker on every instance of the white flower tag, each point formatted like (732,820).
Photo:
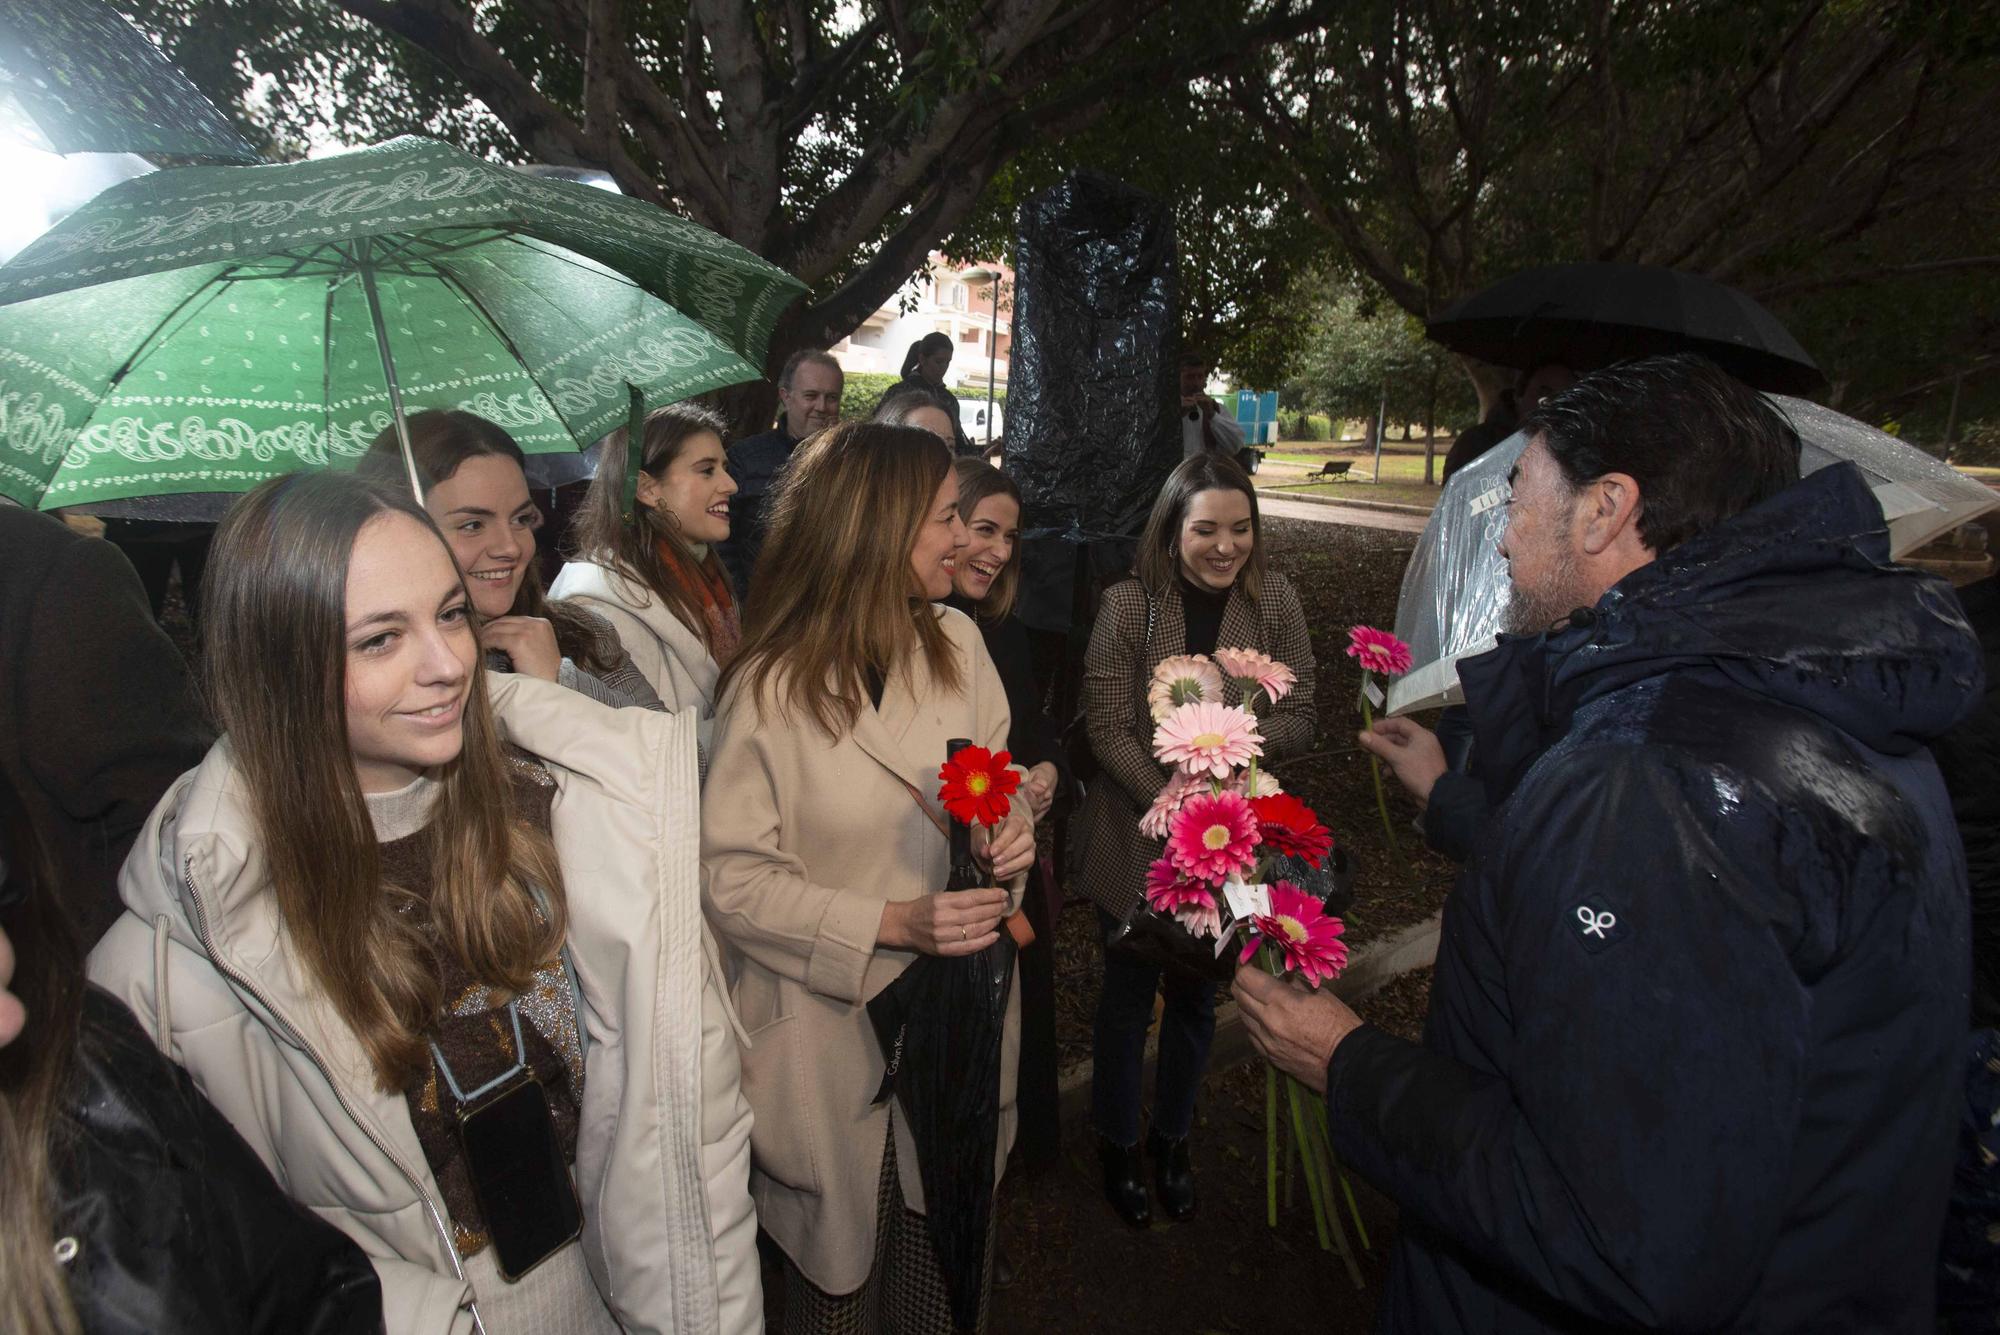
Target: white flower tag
(1372,691)
(1247,901)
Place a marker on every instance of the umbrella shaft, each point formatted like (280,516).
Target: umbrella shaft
(364,260)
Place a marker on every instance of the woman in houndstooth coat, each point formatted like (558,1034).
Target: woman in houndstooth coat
(1200,581)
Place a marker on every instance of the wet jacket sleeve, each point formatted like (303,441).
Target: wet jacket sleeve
(1631,1162)
(1452,817)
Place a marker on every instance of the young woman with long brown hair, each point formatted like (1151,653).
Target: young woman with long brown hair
(650,568)
(1201,580)
(354,925)
(476,489)
(825,865)
(127,1203)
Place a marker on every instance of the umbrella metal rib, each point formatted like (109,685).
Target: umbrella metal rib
(362,257)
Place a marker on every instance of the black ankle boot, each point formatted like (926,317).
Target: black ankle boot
(1123,1186)
(1173,1175)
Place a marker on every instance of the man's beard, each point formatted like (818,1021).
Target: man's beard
(1532,611)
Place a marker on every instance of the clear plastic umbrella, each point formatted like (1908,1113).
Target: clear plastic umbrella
(1455,589)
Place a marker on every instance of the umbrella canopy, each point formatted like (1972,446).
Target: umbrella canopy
(1587,316)
(1455,589)
(202,329)
(77,78)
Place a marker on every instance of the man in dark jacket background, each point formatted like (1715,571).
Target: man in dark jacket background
(99,714)
(809,390)
(1697,1021)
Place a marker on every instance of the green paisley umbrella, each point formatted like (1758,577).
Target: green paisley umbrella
(203,328)
(77,78)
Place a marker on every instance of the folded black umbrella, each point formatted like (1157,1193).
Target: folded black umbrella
(941,1025)
(1587,316)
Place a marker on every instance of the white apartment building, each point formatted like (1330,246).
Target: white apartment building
(941,300)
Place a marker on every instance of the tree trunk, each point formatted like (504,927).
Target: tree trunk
(1430,430)
(746,409)
(1951,417)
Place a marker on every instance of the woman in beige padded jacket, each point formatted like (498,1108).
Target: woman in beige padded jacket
(343,1021)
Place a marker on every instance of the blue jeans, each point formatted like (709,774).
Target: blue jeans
(1124,1010)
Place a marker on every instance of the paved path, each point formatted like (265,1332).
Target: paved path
(1334,513)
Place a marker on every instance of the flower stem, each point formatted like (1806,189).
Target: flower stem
(1346,1187)
(1312,1178)
(1271,1145)
(1320,1155)
(1381,796)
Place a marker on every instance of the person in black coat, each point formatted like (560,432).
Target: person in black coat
(1696,1026)
(98,716)
(989,571)
(1475,440)
(130,1204)
(1969,759)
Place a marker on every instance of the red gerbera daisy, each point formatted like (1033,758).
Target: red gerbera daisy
(976,785)
(1289,826)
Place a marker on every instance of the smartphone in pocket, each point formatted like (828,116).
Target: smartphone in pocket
(519,1177)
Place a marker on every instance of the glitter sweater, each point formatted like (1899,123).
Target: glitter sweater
(473,1029)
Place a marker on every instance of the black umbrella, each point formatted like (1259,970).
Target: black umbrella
(77,78)
(1587,316)
(941,1025)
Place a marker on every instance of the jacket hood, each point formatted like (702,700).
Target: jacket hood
(1795,600)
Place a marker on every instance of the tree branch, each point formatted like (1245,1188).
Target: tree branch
(1367,251)
(446,32)
(1854,277)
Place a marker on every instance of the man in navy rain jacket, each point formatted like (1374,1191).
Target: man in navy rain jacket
(1701,993)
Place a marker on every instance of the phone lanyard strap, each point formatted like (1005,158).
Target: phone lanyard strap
(520,1063)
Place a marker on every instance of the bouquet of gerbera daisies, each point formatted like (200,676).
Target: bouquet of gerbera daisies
(1229,829)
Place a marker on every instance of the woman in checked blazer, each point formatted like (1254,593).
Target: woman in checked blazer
(1201,581)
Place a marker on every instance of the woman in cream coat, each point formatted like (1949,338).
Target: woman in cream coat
(651,569)
(824,864)
(212,966)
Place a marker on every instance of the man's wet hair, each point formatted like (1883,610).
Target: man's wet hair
(1701,444)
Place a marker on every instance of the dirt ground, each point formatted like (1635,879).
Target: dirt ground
(1079,1268)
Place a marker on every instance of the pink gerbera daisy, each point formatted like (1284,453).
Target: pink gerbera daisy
(1212,835)
(1257,671)
(1262,784)
(1178,786)
(1305,935)
(1200,919)
(1169,889)
(1378,651)
(1208,739)
(1184,679)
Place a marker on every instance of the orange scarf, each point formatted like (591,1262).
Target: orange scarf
(718,606)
